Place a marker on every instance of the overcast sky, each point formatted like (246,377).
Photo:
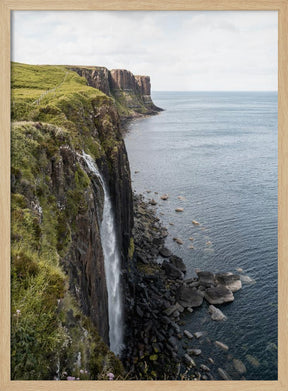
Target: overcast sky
(183,50)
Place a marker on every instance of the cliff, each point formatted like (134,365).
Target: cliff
(131,94)
(59,294)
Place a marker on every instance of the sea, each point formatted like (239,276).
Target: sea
(215,155)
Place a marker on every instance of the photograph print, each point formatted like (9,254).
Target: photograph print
(144,195)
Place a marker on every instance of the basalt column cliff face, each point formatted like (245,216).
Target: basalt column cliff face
(97,77)
(132,94)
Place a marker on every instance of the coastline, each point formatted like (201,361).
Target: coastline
(162,299)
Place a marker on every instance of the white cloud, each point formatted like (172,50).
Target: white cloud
(180,50)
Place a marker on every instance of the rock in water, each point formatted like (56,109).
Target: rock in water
(179,209)
(164,197)
(204,368)
(223,374)
(247,279)
(231,281)
(253,361)
(194,352)
(198,334)
(188,334)
(189,360)
(239,366)
(152,202)
(206,279)
(189,297)
(216,314)
(195,222)
(222,345)
(177,240)
(165,252)
(218,295)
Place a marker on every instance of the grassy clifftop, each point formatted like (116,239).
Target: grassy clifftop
(56,95)
(55,115)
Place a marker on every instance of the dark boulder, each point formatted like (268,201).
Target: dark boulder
(171,271)
(164,252)
(206,279)
(173,343)
(189,297)
(178,262)
(218,295)
(231,281)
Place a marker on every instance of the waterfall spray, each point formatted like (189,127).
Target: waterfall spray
(112,263)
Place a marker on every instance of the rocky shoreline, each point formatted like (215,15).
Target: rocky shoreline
(156,298)
(150,345)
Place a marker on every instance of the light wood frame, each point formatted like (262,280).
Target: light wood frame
(6,6)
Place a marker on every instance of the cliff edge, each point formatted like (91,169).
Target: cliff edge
(131,94)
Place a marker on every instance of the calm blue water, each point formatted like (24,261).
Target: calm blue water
(219,152)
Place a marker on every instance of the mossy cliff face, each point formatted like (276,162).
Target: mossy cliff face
(59,295)
(131,94)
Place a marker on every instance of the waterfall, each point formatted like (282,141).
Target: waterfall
(112,263)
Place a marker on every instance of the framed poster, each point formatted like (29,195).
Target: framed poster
(141,233)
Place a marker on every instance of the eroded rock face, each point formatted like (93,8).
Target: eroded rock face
(97,77)
(132,92)
(121,79)
(144,84)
